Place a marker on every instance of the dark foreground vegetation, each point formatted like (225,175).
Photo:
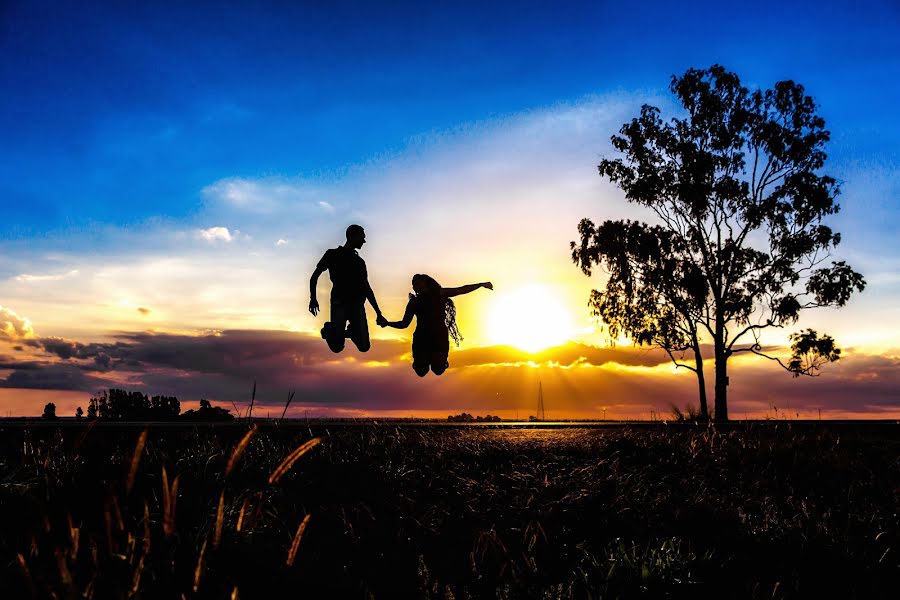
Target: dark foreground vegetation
(383,511)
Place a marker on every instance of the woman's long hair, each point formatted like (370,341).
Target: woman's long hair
(433,288)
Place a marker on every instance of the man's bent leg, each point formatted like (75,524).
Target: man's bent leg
(334,331)
(359,327)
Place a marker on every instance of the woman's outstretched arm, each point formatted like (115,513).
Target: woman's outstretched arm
(465,289)
(407,317)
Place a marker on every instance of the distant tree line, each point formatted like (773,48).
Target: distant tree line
(467,418)
(121,405)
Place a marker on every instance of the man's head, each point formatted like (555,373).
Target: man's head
(356,236)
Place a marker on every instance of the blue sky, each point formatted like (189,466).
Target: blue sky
(122,111)
(175,169)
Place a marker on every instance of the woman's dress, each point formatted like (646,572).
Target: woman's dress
(431,340)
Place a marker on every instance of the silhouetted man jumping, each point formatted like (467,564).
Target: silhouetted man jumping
(349,291)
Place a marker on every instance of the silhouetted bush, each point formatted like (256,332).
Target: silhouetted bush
(208,412)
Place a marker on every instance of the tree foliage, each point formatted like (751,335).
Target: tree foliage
(740,244)
(49,412)
(121,405)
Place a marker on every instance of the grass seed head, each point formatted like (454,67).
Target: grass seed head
(291,458)
(239,450)
(170,497)
(240,519)
(198,571)
(220,514)
(292,554)
(135,461)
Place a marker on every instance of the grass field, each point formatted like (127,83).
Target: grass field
(760,510)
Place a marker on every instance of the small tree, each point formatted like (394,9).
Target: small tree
(79,414)
(49,412)
(740,246)
(92,412)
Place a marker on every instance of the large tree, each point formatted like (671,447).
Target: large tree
(740,244)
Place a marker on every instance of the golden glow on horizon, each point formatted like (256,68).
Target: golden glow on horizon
(531,318)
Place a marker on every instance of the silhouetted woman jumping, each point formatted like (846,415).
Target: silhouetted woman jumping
(435,322)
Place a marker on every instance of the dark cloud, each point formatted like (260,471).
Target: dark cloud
(579,378)
(248,352)
(221,365)
(242,353)
(64,349)
(858,382)
(54,376)
(6,358)
(67,349)
(103,361)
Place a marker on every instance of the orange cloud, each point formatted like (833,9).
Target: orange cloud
(14,327)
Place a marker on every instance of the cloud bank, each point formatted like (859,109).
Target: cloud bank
(579,380)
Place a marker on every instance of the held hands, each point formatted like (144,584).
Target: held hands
(381,321)
(314,307)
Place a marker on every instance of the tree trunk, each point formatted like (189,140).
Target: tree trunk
(721,401)
(701,382)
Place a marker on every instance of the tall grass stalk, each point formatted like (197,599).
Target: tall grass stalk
(252,400)
(286,404)
(288,462)
(292,554)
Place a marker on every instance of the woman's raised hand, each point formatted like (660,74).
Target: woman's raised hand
(488,285)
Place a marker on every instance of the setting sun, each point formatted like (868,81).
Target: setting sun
(531,318)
